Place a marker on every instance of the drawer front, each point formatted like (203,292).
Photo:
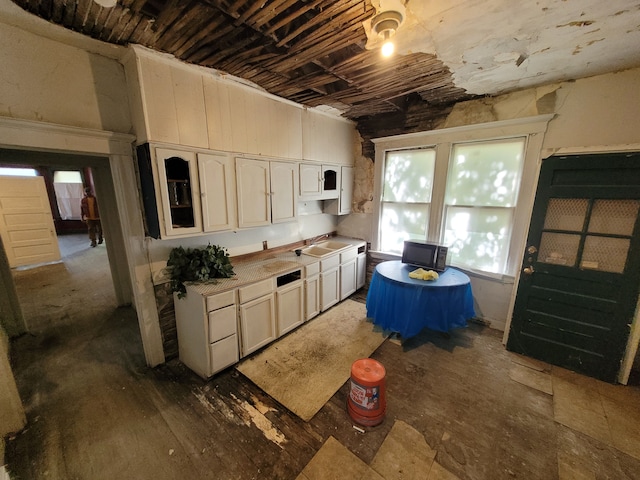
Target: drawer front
(221,300)
(224,353)
(222,323)
(329,263)
(312,269)
(348,254)
(256,290)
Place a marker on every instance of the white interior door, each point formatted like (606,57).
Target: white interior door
(26,222)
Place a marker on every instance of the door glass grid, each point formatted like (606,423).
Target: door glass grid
(614,217)
(559,248)
(605,254)
(566,214)
(603,250)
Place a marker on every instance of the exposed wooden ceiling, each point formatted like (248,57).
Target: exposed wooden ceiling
(309,51)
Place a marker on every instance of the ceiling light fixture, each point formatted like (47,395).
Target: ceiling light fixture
(384,24)
(106,3)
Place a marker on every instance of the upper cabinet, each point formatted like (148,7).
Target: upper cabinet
(186,192)
(217,187)
(327,139)
(175,103)
(267,192)
(179,191)
(342,203)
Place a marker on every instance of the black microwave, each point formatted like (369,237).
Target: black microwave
(425,255)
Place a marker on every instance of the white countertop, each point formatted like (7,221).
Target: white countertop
(257,269)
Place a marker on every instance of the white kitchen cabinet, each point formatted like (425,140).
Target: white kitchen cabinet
(312,290)
(319,181)
(257,315)
(267,192)
(329,281)
(284,191)
(327,139)
(289,302)
(178,188)
(361,268)
(253,185)
(348,269)
(342,205)
(167,101)
(310,180)
(217,191)
(207,331)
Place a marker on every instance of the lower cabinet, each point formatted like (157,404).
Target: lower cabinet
(257,315)
(216,330)
(329,288)
(207,331)
(348,270)
(312,290)
(290,306)
(361,269)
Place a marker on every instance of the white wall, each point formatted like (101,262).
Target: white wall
(47,81)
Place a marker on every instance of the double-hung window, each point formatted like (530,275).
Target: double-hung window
(483,181)
(460,188)
(406,197)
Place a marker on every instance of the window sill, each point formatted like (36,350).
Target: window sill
(492,277)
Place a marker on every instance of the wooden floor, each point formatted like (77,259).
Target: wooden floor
(95,411)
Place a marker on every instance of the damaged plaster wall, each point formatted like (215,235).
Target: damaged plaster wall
(592,114)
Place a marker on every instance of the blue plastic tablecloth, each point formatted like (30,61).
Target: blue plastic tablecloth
(405,305)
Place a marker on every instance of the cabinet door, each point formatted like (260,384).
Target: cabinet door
(290,307)
(361,270)
(347,279)
(329,288)
(257,323)
(284,191)
(310,180)
(253,192)
(179,192)
(330,181)
(217,191)
(312,296)
(346,190)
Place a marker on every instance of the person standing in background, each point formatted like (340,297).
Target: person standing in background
(90,215)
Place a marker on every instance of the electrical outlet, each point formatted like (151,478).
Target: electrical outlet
(264,245)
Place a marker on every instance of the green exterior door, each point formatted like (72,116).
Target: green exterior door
(579,283)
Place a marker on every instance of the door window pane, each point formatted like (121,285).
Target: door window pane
(566,214)
(402,222)
(559,248)
(605,254)
(614,217)
(476,237)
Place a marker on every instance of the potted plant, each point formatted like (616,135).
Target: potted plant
(197,265)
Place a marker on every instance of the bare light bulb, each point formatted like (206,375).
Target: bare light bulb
(387,48)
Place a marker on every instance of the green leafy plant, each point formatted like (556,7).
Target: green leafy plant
(197,265)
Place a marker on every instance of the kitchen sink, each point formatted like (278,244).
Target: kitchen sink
(324,249)
(316,251)
(332,245)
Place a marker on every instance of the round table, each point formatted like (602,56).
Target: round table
(399,303)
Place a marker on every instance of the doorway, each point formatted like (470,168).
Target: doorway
(103,185)
(580,278)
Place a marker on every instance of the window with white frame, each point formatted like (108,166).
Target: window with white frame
(406,197)
(483,181)
(460,187)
